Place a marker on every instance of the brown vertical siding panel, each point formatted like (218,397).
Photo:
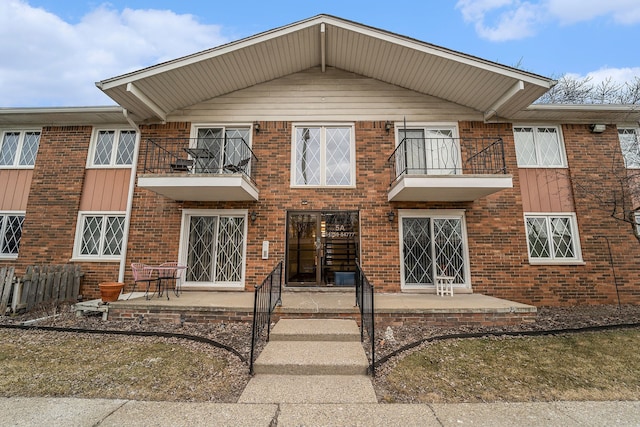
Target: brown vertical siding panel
(14,188)
(546,190)
(105,190)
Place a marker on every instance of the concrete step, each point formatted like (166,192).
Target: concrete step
(312,358)
(309,389)
(315,330)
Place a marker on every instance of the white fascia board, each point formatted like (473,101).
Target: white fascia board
(616,108)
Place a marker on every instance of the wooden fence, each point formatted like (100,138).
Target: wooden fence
(40,284)
(6,285)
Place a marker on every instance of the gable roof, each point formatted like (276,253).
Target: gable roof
(150,94)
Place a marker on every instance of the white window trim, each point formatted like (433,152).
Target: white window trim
(575,236)
(563,152)
(77,256)
(184,243)
(193,134)
(114,152)
(398,126)
(637,131)
(323,154)
(16,160)
(10,213)
(437,214)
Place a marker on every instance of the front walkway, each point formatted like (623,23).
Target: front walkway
(461,309)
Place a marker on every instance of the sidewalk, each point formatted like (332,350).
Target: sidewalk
(102,412)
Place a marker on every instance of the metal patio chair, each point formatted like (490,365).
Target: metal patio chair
(141,274)
(175,274)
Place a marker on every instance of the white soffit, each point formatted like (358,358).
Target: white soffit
(590,113)
(62,116)
(346,45)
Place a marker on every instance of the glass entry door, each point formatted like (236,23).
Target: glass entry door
(304,249)
(322,248)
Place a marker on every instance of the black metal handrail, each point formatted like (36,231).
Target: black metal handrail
(364,301)
(448,156)
(267,296)
(198,156)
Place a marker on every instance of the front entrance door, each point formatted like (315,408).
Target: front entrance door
(322,248)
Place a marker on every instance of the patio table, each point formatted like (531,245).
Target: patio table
(165,273)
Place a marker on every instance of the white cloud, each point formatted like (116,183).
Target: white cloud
(501,20)
(617,75)
(104,43)
(571,11)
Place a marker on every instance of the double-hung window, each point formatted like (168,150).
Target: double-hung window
(10,233)
(630,146)
(112,148)
(552,238)
(99,236)
(539,146)
(323,156)
(19,148)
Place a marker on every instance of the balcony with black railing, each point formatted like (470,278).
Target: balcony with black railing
(447,169)
(202,169)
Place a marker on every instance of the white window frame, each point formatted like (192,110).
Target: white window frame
(114,150)
(575,238)
(561,148)
(82,215)
(323,154)
(3,224)
(184,244)
(636,130)
(437,126)
(434,214)
(18,154)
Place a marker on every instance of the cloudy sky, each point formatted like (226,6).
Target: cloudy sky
(54,51)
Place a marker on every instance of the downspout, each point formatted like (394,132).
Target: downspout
(132,186)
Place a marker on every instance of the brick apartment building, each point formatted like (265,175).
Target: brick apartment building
(321,143)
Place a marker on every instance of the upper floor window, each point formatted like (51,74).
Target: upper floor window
(19,148)
(225,149)
(539,146)
(432,150)
(630,146)
(323,156)
(113,147)
(552,237)
(10,234)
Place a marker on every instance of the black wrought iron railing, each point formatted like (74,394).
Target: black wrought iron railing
(364,301)
(198,156)
(448,156)
(267,296)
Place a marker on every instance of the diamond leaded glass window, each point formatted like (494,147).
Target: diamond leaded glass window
(101,236)
(552,237)
(19,148)
(630,146)
(538,146)
(114,148)
(10,233)
(323,156)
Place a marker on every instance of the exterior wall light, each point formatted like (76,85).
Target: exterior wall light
(256,127)
(253,216)
(598,128)
(391,215)
(387,126)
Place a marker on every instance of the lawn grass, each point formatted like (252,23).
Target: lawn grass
(585,366)
(36,363)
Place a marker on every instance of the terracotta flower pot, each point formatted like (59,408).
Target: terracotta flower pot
(110,291)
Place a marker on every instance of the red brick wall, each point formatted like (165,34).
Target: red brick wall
(495,224)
